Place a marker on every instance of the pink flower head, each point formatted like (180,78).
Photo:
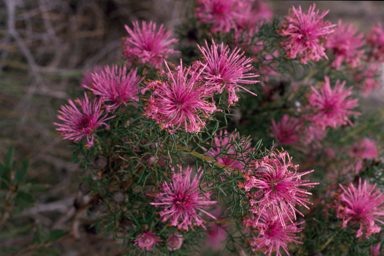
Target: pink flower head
(365,149)
(363,206)
(87,79)
(278,187)
(304,32)
(180,100)
(345,44)
(226,146)
(375,41)
(181,198)
(147,240)
(146,45)
(253,13)
(216,233)
(272,234)
(81,122)
(331,106)
(313,134)
(221,14)
(375,250)
(368,77)
(227,69)
(175,241)
(115,85)
(287,131)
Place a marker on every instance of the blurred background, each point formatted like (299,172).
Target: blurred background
(45,45)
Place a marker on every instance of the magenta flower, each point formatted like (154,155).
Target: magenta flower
(146,45)
(375,250)
(147,240)
(278,187)
(313,134)
(115,85)
(365,149)
(362,206)
(368,77)
(224,150)
(182,198)
(216,233)
(221,14)
(175,241)
(345,44)
(331,106)
(227,69)
(287,131)
(253,13)
(304,32)
(83,122)
(272,234)
(180,100)
(87,79)
(375,41)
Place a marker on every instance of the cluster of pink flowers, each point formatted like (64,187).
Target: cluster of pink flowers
(365,149)
(278,192)
(331,107)
(224,15)
(147,45)
(225,153)
(288,130)
(376,42)
(304,33)
(345,45)
(368,77)
(181,198)
(227,70)
(147,240)
(362,205)
(115,85)
(81,122)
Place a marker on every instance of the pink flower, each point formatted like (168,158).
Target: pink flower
(365,149)
(313,134)
(175,241)
(331,106)
(272,234)
(227,69)
(146,45)
(345,45)
(115,85)
(375,41)
(375,250)
(83,122)
(287,131)
(362,206)
(180,100)
(278,187)
(216,233)
(181,198)
(87,79)
(253,13)
(224,150)
(368,77)
(304,33)
(221,14)
(147,240)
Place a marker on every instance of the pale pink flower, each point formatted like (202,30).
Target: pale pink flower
(345,44)
(147,45)
(181,198)
(253,13)
(313,135)
(278,187)
(227,69)
(181,100)
(147,240)
(375,250)
(227,151)
(375,41)
(304,32)
(368,77)
(365,149)
(175,241)
(221,14)
(216,233)
(115,85)
(362,206)
(272,234)
(287,131)
(332,106)
(81,122)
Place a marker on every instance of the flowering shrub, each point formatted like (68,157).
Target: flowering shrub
(195,150)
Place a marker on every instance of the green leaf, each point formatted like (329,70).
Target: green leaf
(21,172)
(56,234)
(24,199)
